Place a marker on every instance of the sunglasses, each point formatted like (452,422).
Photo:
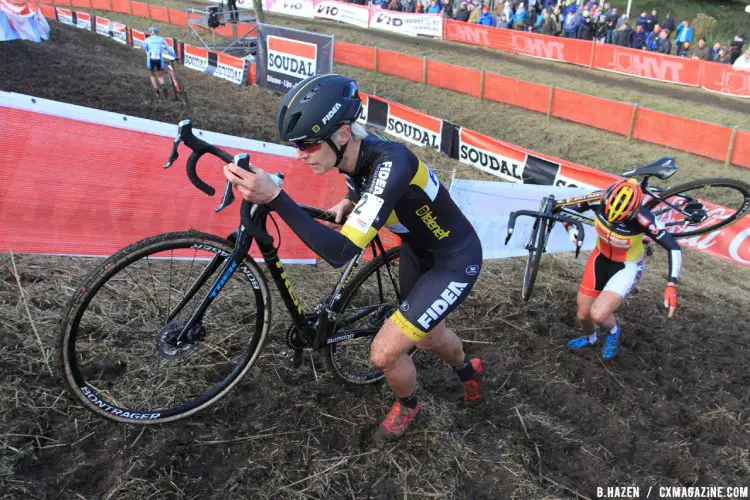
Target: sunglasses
(308,147)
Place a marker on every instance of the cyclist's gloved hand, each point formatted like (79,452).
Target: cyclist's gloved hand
(573,234)
(342,209)
(670,298)
(256,186)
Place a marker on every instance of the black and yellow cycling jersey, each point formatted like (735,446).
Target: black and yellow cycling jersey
(393,188)
(441,255)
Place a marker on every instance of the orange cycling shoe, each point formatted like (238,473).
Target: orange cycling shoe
(472,388)
(396,422)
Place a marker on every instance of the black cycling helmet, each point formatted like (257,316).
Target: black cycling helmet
(316,107)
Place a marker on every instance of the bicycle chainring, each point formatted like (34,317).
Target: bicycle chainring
(293,338)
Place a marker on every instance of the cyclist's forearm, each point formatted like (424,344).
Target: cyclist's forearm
(329,244)
(674,254)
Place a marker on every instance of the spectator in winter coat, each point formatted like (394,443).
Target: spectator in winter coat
(612,25)
(742,63)
(394,5)
(714,53)
(684,33)
(652,39)
(503,23)
(539,22)
(549,26)
(652,21)
(722,57)
(622,20)
(601,29)
(669,23)
(641,21)
(486,18)
(507,12)
(475,13)
(665,46)
(570,6)
(622,37)
(570,25)
(519,18)
(701,51)
(638,37)
(435,7)
(586,29)
(463,13)
(683,49)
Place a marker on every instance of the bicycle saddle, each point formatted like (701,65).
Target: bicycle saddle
(663,168)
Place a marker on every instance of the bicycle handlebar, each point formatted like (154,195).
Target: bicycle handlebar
(200,147)
(545,215)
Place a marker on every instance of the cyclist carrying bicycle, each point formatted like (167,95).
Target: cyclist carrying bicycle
(154,45)
(616,264)
(389,186)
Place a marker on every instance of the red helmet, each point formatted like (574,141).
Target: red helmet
(622,200)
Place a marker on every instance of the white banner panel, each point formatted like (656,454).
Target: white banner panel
(406,24)
(488,204)
(297,8)
(348,13)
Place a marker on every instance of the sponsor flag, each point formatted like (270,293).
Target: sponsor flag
(83,20)
(66,16)
(288,56)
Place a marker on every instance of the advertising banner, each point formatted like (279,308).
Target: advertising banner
(66,16)
(491,156)
(298,8)
(722,78)
(83,20)
(406,24)
(139,38)
(196,58)
(647,64)
(112,29)
(287,56)
(231,68)
(343,12)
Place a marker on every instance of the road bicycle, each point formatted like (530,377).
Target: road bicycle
(690,209)
(167,326)
(179,90)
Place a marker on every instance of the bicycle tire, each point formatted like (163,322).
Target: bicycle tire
(349,359)
(116,358)
(537,242)
(737,196)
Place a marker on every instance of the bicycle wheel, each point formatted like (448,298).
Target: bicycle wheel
(366,302)
(537,242)
(701,206)
(118,353)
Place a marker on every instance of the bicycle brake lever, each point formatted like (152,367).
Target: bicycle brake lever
(173,155)
(507,237)
(242,160)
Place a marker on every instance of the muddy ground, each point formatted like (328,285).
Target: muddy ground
(671,410)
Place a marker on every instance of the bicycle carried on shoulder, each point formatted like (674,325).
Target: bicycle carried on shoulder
(169,325)
(690,209)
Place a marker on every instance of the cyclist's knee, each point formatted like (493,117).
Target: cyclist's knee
(600,314)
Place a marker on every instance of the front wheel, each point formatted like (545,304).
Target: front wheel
(701,206)
(368,300)
(536,246)
(121,349)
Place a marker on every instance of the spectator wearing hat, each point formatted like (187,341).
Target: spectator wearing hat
(476,11)
(701,51)
(735,47)
(503,22)
(463,13)
(638,37)
(486,18)
(586,29)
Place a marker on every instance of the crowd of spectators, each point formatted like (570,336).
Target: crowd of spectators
(593,20)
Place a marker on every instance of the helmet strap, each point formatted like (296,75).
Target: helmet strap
(339,151)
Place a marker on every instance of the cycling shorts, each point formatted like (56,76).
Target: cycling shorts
(155,64)
(434,284)
(605,274)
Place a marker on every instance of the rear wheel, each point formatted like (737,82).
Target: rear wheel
(701,206)
(366,303)
(120,349)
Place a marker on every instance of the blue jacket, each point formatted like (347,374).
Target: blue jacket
(519,16)
(637,40)
(486,19)
(435,9)
(652,41)
(684,34)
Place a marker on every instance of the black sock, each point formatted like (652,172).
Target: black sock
(410,401)
(464,371)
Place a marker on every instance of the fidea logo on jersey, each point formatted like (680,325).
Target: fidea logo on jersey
(292,57)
